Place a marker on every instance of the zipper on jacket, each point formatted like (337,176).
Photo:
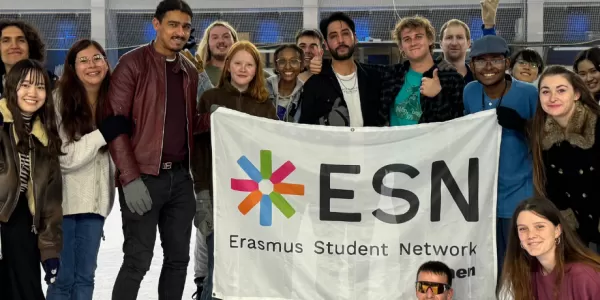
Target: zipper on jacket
(187,119)
(162,142)
(37,209)
(18,161)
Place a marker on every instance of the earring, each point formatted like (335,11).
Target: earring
(522,246)
(557,240)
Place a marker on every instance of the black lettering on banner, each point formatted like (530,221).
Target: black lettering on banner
(327,193)
(232,239)
(251,244)
(463,273)
(410,197)
(439,173)
(416,249)
(319,247)
(299,248)
(271,246)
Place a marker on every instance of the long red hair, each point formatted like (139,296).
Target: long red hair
(257,87)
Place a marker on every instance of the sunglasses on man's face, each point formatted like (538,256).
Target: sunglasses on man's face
(436,288)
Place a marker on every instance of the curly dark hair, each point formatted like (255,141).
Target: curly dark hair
(37,48)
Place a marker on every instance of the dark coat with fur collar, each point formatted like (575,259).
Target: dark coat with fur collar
(572,161)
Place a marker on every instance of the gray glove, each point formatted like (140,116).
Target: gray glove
(137,197)
(202,199)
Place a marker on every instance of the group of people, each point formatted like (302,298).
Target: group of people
(144,128)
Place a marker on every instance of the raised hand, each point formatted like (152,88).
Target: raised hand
(431,87)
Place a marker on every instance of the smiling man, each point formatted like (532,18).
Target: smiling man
(346,92)
(515,102)
(156,86)
(419,92)
(18,41)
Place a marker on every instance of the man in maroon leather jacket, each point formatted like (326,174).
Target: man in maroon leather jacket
(156,86)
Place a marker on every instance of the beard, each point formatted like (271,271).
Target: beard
(218,56)
(346,56)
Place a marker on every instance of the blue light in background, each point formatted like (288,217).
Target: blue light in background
(149,33)
(475,27)
(578,25)
(362,28)
(66,33)
(203,25)
(268,32)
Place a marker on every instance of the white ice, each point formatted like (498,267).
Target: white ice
(110,259)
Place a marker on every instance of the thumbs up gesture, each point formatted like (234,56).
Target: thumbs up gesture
(315,65)
(430,87)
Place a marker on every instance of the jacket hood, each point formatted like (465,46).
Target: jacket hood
(273,83)
(37,129)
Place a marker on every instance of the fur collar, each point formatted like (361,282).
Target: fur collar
(37,129)
(580,132)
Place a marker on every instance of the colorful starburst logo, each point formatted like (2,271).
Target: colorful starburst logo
(266,187)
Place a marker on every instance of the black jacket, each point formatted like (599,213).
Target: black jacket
(321,91)
(572,169)
(447,105)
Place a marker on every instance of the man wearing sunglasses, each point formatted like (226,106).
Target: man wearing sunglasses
(434,281)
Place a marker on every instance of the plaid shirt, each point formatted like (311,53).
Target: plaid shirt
(447,105)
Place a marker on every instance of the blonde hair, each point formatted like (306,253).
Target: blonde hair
(203,49)
(455,22)
(257,87)
(412,23)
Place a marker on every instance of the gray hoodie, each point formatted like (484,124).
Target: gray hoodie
(288,108)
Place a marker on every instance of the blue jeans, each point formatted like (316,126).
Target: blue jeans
(81,242)
(208,284)
(502,233)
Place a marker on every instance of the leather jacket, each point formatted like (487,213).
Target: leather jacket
(138,91)
(44,192)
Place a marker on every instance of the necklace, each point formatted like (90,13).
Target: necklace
(345,89)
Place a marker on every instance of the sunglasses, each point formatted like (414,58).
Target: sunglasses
(436,288)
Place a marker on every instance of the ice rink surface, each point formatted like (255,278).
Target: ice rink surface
(110,259)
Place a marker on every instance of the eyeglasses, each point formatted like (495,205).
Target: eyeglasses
(495,62)
(97,59)
(436,288)
(525,63)
(294,63)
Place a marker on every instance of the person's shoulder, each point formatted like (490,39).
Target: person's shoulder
(524,87)
(583,270)
(210,93)
(133,55)
(473,86)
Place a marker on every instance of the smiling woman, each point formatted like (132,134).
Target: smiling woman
(88,183)
(545,259)
(30,218)
(565,144)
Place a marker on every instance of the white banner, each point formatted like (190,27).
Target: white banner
(314,212)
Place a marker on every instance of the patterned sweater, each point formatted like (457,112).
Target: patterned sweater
(87,173)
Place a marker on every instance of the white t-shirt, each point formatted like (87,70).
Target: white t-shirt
(349,85)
